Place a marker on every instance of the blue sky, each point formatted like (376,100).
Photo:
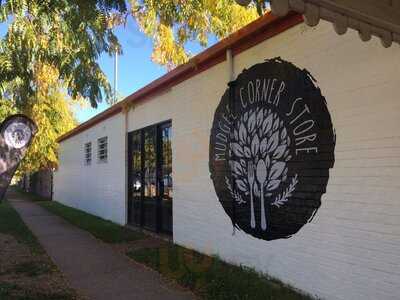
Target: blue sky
(135,68)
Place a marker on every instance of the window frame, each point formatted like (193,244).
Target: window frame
(102,142)
(87,153)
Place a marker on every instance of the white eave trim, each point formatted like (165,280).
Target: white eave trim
(369,17)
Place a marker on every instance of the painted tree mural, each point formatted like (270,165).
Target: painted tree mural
(259,153)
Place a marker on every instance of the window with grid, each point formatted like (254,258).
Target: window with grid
(88,153)
(102,149)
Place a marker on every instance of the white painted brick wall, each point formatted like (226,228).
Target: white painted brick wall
(351,248)
(99,187)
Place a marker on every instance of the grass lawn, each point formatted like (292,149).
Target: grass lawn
(26,272)
(211,278)
(106,231)
(12,224)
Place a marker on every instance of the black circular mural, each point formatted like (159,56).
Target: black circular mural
(271,147)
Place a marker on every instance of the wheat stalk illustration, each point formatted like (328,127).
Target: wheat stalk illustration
(282,198)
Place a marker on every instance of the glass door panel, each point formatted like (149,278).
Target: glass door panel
(166,177)
(135,178)
(150,179)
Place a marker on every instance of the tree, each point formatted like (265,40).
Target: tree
(48,60)
(68,35)
(53,116)
(172,23)
(48,57)
(50,109)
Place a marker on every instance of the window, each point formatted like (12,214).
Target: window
(102,149)
(88,153)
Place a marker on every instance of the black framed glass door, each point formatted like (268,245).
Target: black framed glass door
(150,178)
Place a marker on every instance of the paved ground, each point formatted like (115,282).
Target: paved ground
(92,267)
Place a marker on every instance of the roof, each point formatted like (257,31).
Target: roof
(368,17)
(254,33)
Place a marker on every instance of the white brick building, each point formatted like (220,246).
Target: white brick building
(350,249)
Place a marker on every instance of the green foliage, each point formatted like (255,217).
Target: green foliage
(212,278)
(104,230)
(6,109)
(48,57)
(172,23)
(68,35)
(48,61)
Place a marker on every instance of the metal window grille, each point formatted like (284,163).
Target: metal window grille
(88,153)
(102,149)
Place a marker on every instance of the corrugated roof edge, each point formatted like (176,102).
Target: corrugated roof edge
(254,33)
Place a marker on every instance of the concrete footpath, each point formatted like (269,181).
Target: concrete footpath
(92,267)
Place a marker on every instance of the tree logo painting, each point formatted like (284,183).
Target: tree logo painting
(16,133)
(271,147)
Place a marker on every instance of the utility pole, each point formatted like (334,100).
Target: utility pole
(115,74)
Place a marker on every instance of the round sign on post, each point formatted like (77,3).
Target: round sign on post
(271,147)
(16,133)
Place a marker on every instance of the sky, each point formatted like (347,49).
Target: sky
(135,68)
